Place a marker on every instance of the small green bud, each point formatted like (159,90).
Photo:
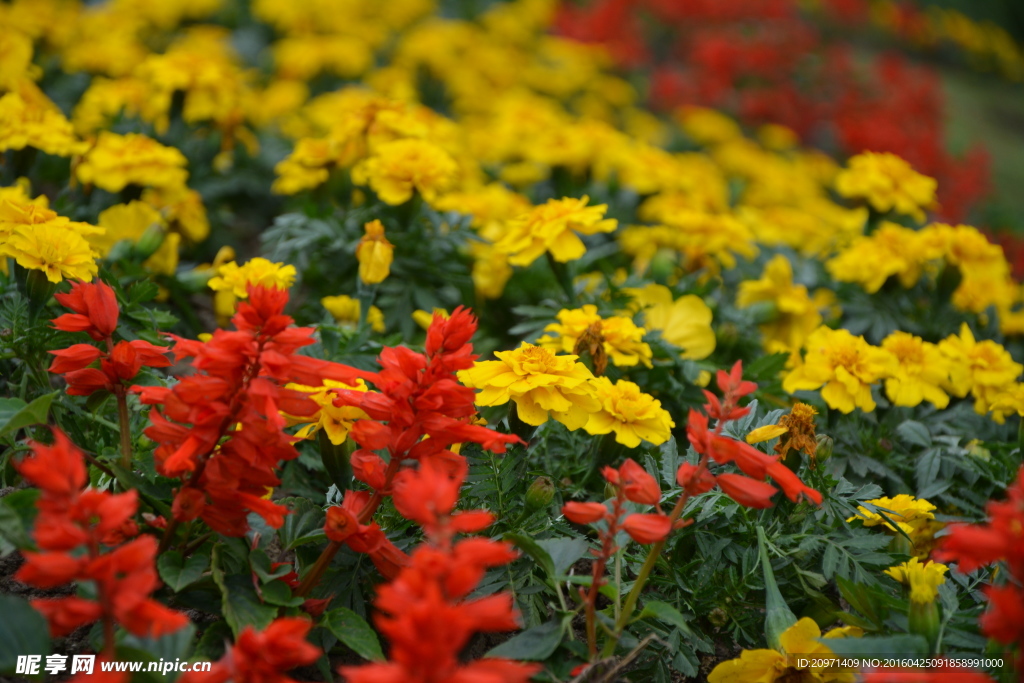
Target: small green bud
(664,264)
(37,289)
(150,241)
(924,620)
(778,617)
(718,617)
(824,449)
(540,494)
(195,281)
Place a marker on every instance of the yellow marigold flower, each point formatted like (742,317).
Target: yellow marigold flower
(306,167)
(985,369)
(622,339)
(374,254)
(630,413)
(183,209)
(125,222)
(797,430)
(336,421)
(231,282)
(904,510)
(346,311)
(54,249)
(491,270)
(552,228)
(891,250)
(399,167)
(116,161)
(921,373)
(923,579)
(29,119)
(16,59)
(708,126)
(542,385)
(425,318)
(888,183)
(684,322)
(797,313)
(768,666)
(846,365)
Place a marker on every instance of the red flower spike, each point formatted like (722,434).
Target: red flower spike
(791,484)
(75,357)
(264,656)
(687,477)
(748,492)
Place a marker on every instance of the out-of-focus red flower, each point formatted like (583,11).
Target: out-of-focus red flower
(639,486)
(95,309)
(263,656)
(584,513)
(647,528)
(746,491)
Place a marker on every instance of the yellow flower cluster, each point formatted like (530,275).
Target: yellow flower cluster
(335,421)
(544,385)
(684,322)
(231,281)
(913,516)
(39,239)
(845,367)
(347,310)
(887,183)
(621,339)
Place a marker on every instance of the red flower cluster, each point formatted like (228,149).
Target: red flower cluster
(765,62)
(263,657)
(424,611)
(95,313)
(418,395)
(418,413)
(220,429)
(750,490)
(72,518)
(1001,539)
(631,482)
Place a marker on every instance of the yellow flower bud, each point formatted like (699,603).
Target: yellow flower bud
(375,254)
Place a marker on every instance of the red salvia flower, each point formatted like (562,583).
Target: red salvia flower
(71,518)
(263,657)
(95,310)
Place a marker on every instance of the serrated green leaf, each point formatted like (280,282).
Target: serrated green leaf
(178,572)
(564,552)
(352,630)
(304,525)
(662,611)
(913,432)
(531,548)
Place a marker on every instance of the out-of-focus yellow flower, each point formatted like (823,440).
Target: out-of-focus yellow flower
(846,365)
(887,183)
(57,251)
(630,413)
(684,322)
(552,228)
(984,369)
(425,318)
(768,666)
(542,385)
(16,59)
(622,339)
(346,311)
(374,254)
(125,222)
(705,240)
(923,578)
(116,161)
(890,250)
(336,421)
(183,209)
(708,126)
(921,373)
(29,119)
(797,313)
(231,282)
(398,168)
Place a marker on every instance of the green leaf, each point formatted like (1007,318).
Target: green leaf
(869,601)
(240,604)
(279,593)
(304,525)
(35,412)
(171,646)
(23,631)
(12,530)
(260,564)
(766,368)
(531,548)
(352,630)
(178,572)
(928,465)
(537,643)
(564,552)
(211,644)
(913,432)
(829,561)
(662,611)
(872,646)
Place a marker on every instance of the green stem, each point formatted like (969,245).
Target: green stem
(561,272)
(125,429)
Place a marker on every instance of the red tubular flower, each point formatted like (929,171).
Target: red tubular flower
(646,528)
(584,513)
(95,310)
(746,491)
(69,518)
(639,486)
(687,477)
(266,656)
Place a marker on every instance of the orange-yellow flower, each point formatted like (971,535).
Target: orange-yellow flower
(374,254)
